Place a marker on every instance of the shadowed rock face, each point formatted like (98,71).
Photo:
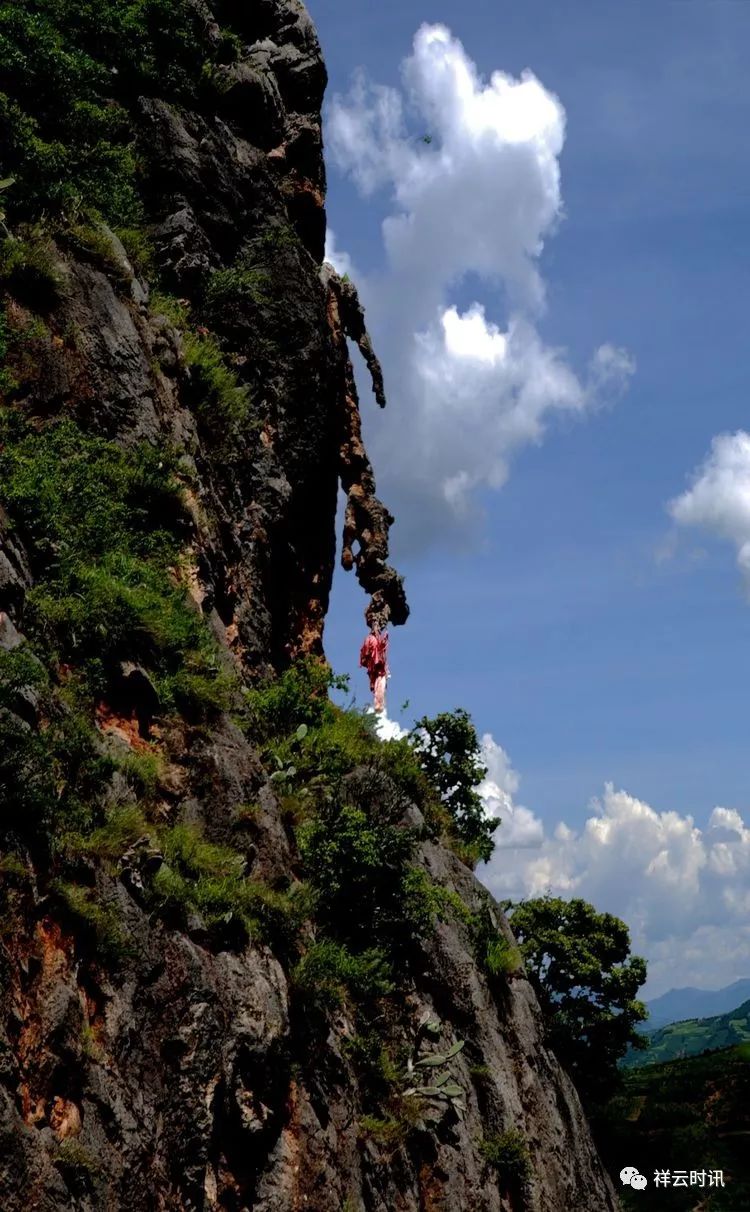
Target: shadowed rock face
(187,1078)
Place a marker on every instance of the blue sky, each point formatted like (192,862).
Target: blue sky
(594,639)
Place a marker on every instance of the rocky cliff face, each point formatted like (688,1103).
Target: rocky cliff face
(185,1070)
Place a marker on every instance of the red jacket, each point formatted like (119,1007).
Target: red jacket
(374,656)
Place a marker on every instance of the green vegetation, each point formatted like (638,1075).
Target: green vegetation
(78,1166)
(329,974)
(200,878)
(693,1036)
(29,272)
(692,1115)
(449,754)
(586,980)
(104,528)
(218,398)
(69,72)
(501,957)
(92,242)
(52,780)
(220,402)
(508,1154)
(230,292)
(96,921)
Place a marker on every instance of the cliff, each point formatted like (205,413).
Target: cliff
(236,950)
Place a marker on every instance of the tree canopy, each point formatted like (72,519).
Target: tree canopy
(450,756)
(586,980)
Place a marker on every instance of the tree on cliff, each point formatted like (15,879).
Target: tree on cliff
(450,756)
(580,965)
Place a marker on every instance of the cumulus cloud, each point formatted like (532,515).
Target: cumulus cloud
(471,170)
(519,828)
(682,889)
(718,500)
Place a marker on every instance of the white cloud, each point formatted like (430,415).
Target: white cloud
(683,890)
(340,260)
(519,828)
(719,498)
(472,172)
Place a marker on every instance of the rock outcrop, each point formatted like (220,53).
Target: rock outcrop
(185,1077)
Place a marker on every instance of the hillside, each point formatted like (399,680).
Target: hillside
(244,962)
(686,1115)
(693,1036)
(678,1004)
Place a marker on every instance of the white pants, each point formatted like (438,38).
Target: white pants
(379,693)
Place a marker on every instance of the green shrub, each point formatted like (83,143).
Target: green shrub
(328,973)
(359,868)
(200,877)
(73,494)
(508,1153)
(20,671)
(299,695)
(73,71)
(449,754)
(232,294)
(52,780)
(123,826)
(104,527)
(220,402)
(98,923)
(12,867)
(28,271)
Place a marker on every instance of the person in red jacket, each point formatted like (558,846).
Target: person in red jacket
(374,658)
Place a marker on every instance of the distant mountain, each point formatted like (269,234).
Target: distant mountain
(692,1036)
(678,1004)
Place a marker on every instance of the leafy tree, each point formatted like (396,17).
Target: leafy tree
(449,754)
(586,980)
